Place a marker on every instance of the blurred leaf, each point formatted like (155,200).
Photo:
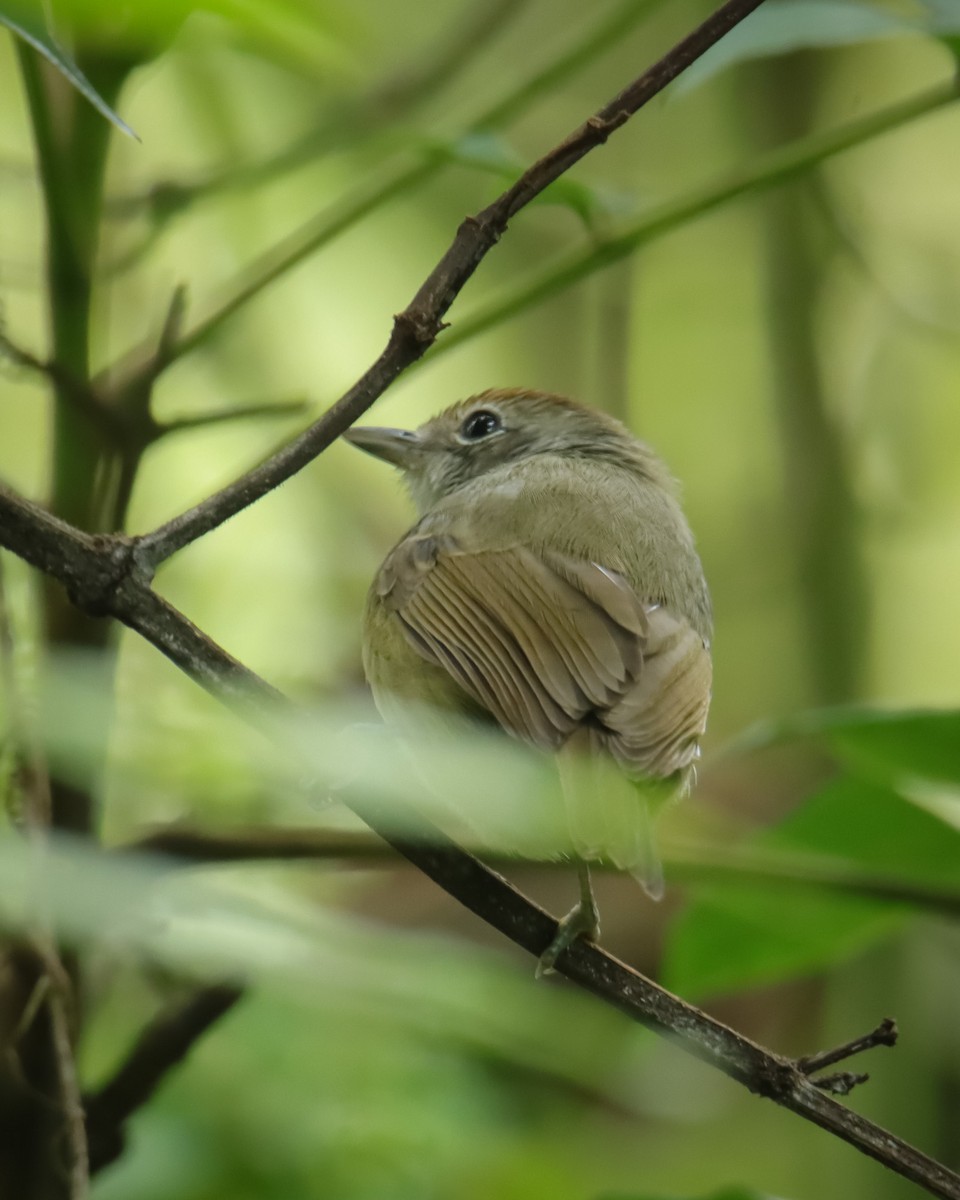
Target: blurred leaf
(474,783)
(238,925)
(26,21)
(785,26)
(896,747)
(735,937)
(940,16)
(300,33)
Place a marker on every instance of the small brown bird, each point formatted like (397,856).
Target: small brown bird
(552,585)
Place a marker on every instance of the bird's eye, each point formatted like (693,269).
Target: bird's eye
(480,424)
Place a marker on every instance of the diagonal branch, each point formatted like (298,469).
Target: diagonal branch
(416,328)
(142,363)
(161,1046)
(88,567)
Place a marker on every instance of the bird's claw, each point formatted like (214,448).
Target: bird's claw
(581,921)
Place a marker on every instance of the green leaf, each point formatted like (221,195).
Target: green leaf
(301,34)
(736,937)
(31,28)
(895,747)
(785,26)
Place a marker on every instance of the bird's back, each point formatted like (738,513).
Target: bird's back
(561,596)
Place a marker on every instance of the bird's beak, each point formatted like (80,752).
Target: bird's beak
(398,446)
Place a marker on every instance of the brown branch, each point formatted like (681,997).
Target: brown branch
(416,328)
(161,1047)
(695,862)
(88,566)
(191,844)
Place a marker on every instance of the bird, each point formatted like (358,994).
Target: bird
(550,586)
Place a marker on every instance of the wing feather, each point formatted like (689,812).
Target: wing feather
(472,635)
(549,644)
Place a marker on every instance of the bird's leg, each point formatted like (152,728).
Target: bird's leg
(583,920)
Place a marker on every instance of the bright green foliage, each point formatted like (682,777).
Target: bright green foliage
(740,936)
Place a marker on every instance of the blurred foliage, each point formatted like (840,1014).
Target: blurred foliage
(792,351)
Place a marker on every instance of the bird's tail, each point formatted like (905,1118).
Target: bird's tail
(610,816)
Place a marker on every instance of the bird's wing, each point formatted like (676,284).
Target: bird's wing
(540,641)
(655,728)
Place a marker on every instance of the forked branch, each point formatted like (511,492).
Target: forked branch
(416,328)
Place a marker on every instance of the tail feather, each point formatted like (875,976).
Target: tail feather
(646,868)
(610,816)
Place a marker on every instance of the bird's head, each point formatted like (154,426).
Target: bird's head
(497,427)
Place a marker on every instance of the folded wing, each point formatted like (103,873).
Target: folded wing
(551,645)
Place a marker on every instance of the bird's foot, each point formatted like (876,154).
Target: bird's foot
(581,921)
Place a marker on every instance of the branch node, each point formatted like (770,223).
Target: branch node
(111,562)
(773,1078)
(416,326)
(602,128)
(143,568)
(840,1084)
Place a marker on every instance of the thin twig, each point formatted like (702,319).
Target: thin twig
(416,328)
(242,412)
(885,1034)
(85,565)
